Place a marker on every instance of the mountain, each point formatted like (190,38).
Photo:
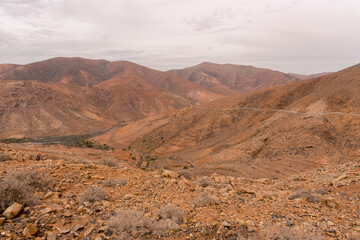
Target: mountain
(303,77)
(268,133)
(231,79)
(74,95)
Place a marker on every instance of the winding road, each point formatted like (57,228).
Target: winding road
(111,139)
(283,111)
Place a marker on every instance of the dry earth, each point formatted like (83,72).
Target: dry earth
(320,204)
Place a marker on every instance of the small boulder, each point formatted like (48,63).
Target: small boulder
(128,196)
(170,174)
(341,177)
(30,230)
(331,203)
(13,211)
(50,235)
(2,220)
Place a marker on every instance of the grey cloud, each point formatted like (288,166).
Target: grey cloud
(215,19)
(162,34)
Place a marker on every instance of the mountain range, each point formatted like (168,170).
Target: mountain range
(274,132)
(62,96)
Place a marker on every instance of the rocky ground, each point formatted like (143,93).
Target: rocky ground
(90,196)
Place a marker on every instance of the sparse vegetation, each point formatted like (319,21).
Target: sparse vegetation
(129,224)
(19,186)
(4,157)
(185,173)
(308,195)
(93,194)
(114,182)
(273,231)
(205,199)
(109,162)
(205,182)
(93,144)
(171,212)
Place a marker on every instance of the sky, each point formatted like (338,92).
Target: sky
(298,36)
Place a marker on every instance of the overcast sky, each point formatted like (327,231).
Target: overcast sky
(303,36)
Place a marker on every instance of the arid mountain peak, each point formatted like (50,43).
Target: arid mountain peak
(232,79)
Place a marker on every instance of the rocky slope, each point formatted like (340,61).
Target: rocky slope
(232,79)
(74,95)
(268,133)
(93,194)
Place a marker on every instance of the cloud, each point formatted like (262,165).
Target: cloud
(217,18)
(163,34)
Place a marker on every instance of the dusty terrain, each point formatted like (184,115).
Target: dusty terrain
(279,163)
(320,204)
(269,133)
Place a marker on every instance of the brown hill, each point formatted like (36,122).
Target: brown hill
(231,79)
(273,132)
(303,77)
(74,95)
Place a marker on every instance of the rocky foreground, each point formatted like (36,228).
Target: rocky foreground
(44,196)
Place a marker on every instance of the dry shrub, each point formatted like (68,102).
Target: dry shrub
(93,194)
(128,224)
(185,173)
(114,182)
(307,232)
(171,212)
(204,182)
(109,162)
(4,157)
(19,186)
(308,195)
(205,199)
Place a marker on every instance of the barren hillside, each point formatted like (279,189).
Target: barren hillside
(268,133)
(232,79)
(74,95)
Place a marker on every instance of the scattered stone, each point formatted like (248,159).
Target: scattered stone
(78,227)
(341,177)
(331,203)
(13,211)
(2,220)
(128,196)
(68,214)
(47,195)
(60,163)
(170,174)
(30,230)
(51,236)
(64,230)
(89,230)
(225,224)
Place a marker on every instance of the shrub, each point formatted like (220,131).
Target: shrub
(272,231)
(114,182)
(129,224)
(20,186)
(205,199)
(4,157)
(186,174)
(308,195)
(93,194)
(109,162)
(171,212)
(204,182)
